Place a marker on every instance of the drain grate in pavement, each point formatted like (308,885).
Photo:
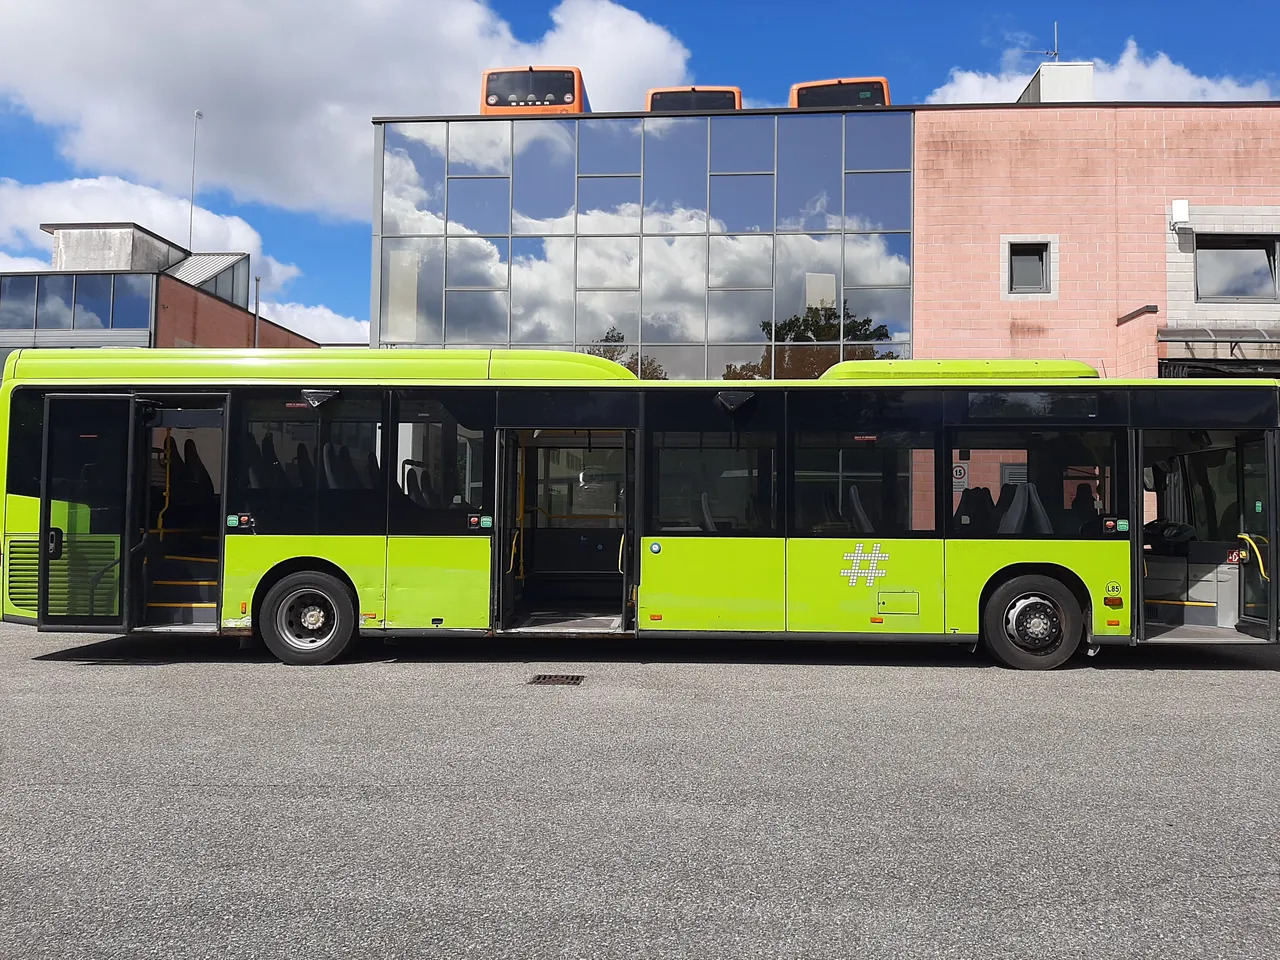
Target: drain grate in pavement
(558,679)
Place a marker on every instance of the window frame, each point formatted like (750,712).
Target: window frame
(1269,244)
(1045,250)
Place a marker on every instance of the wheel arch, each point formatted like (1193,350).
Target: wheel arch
(1064,575)
(298,565)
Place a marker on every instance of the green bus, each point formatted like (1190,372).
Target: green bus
(311,497)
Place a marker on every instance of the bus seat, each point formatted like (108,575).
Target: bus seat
(1037,520)
(329,459)
(1007,492)
(1229,521)
(177,466)
(197,473)
(413,489)
(857,516)
(375,471)
(347,470)
(306,469)
(707,522)
(831,505)
(273,474)
(1016,515)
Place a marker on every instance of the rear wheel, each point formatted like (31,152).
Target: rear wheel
(308,618)
(1032,623)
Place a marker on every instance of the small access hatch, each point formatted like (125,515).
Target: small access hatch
(898,602)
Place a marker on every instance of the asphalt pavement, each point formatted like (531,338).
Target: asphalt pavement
(178,798)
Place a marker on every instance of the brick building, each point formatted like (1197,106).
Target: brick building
(1138,237)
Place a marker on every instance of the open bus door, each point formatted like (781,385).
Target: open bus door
(88,530)
(509,528)
(628,550)
(1257,539)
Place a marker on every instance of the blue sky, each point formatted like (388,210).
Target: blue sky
(95,109)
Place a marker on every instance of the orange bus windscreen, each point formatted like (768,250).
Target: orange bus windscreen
(858,93)
(531,88)
(693,100)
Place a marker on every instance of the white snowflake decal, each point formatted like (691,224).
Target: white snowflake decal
(865,565)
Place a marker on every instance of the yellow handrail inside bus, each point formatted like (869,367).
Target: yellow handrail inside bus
(1262,567)
(168,460)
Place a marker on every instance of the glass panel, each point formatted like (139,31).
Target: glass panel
(877,201)
(608,205)
(609,146)
(131,307)
(673,286)
(413,179)
(877,141)
(741,261)
(809,171)
(1027,267)
(623,354)
(1255,500)
(93,301)
(542,290)
(87,477)
(742,203)
(804,362)
(442,472)
(856,483)
(479,147)
(475,316)
(608,316)
(480,206)
(877,259)
(740,363)
(18,302)
(714,484)
(225,287)
(1246,269)
(807,284)
(476,262)
(673,363)
(1033,483)
(53,302)
(871,314)
(740,316)
(240,276)
(612,262)
(675,174)
(742,144)
(542,180)
(876,351)
(412,288)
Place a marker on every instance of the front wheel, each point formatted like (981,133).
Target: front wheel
(1032,623)
(308,618)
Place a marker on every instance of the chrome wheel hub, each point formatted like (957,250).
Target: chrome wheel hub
(1034,623)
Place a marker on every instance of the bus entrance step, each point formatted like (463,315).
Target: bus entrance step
(169,612)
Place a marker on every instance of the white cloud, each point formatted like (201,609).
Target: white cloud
(318,323)
(288,86)
(1133,76)
(23,207)
(12,264)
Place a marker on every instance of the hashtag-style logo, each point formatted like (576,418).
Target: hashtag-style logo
(865,565)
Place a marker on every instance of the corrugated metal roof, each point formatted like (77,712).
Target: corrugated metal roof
(199,267)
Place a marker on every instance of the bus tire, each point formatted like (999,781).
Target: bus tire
(1032,623)
(308,618)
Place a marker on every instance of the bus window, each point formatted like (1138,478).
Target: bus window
(849,92)
(533,90)
(1035,484)
(443,461)
(694,98)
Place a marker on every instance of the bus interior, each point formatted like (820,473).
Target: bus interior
(1204,545)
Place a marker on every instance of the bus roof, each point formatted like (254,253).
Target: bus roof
(140,366)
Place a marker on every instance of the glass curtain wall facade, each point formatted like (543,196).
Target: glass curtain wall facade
(76,301)
(730,246)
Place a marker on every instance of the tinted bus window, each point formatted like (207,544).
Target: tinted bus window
(531,88)
(26,437)
(444,460)
(694,100)
(859,93)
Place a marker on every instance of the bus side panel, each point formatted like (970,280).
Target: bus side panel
(971,563)
(249,557)
(438,578)
(22,550)
(864,586)
(712,583)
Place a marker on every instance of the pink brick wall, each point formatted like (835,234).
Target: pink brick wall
(1100,178)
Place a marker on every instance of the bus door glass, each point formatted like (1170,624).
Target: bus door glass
(1257,555)
(510,527)
(85,503)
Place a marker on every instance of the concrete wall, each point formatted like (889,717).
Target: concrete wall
(188,317)
(1099,180)
(85,249)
